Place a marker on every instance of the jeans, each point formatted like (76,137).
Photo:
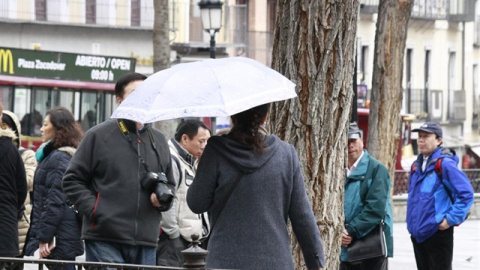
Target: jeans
(111,252)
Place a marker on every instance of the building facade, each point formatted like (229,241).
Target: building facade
(442,55)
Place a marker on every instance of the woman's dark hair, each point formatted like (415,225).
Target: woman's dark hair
(246,125)
(67,130)
(125,80)
(7,120)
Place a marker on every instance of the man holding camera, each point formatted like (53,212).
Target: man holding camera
(120,180)
(179,223)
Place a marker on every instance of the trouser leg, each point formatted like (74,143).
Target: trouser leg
(436,253)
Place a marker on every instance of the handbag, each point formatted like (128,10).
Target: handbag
(370,246)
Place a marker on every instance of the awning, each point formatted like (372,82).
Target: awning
(476,150)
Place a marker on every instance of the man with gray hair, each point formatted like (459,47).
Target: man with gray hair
(367,202)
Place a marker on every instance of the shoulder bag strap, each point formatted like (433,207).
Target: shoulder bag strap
(225,200)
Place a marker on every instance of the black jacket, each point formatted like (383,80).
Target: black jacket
(13,191)
(51,216)
(104,182)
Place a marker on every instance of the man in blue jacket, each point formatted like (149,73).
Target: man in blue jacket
(439,197)
(367,202)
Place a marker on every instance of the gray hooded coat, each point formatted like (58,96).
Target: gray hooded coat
(252,231)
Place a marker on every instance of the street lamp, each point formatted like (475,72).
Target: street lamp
(211,12)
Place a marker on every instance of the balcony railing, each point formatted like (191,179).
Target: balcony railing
(453,10)
(400,183)
(430,9)
(462,10)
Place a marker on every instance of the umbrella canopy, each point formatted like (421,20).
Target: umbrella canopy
(213,87)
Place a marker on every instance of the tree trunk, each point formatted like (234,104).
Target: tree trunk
(386,100)
(161,52)
(314,46)
(161,42)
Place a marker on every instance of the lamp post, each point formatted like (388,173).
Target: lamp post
(211,12)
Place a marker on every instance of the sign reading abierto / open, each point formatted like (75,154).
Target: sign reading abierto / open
(64,66)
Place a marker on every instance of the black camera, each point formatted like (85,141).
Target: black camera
(157,183)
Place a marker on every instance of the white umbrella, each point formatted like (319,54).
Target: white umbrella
(213,87)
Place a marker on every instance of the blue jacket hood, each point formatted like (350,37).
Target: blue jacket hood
(440,152)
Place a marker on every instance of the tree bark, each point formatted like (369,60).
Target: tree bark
(314,46)
(161,42)
(161,52)
(386,100)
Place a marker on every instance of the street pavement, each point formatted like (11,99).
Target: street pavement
(466,250)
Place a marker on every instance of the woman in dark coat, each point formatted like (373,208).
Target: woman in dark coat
(250,230)
(13,190)
(53,220)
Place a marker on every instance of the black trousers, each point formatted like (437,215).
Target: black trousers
(436,252)
(380,263)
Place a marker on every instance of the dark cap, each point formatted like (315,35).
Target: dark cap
(430,127)
(354,132)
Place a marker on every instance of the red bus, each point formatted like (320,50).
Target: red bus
(404,149)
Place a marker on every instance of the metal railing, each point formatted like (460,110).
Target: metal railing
(400,183)
(194,257)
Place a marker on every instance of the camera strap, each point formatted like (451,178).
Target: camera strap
(123,128)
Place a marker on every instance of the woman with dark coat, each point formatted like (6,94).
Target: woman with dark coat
(13,190)
(251,231)
(53,220)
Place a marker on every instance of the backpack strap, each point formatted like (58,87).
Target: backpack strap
(21,151)
(438,170)
(414,167)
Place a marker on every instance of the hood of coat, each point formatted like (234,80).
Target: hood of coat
(15,120)
(8,132)
(5,136)
(67,149)
(440,152)
(243,155)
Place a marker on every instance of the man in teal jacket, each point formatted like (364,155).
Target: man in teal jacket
(367,202)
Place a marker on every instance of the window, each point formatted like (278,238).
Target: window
(89,105)
(363,64)
(90,11)
(40,10)
(135,14)
(63,99)
(426,81)
(451,70)
(6,97)
(475,98)
(22,101)
(408,78)
(271,9)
